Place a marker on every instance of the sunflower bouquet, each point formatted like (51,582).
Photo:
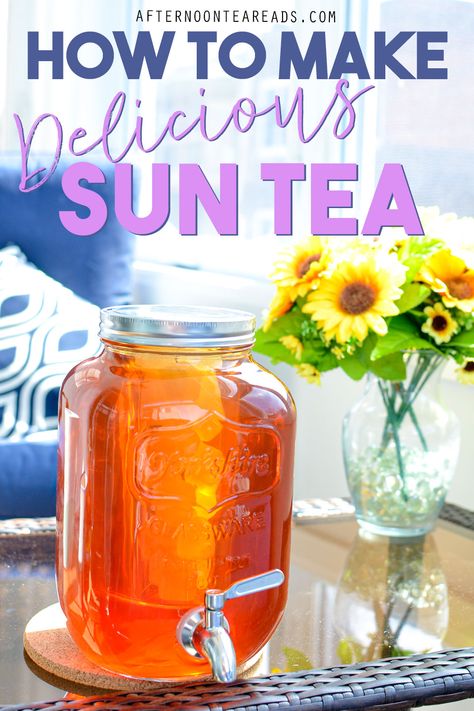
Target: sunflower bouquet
(395,308)
(363,305)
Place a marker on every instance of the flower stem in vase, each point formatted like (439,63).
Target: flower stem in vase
(393,420)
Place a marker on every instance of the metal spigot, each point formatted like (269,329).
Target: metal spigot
(204,631)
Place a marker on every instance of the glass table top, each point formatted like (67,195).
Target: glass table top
(353,597)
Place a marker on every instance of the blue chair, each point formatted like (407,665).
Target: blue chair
(97,268)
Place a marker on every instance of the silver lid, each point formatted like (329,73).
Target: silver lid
(177,326)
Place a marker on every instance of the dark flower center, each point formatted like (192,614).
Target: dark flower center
(439,323)
(460,288)
(469,367)
(356,298)
(303,268)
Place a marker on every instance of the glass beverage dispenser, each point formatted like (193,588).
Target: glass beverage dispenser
(174,495)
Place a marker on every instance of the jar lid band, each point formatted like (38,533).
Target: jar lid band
(177,326)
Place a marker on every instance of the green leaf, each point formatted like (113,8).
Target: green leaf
(268,342)
(465,338)
(390,367)
(413,295)
(273,349)
(403,334)
(417,250)
(353,367)
(289,324)
(357,365)
(399,652)
(349,651)
(318,355)
(296,660)
(295,323)
(367,347)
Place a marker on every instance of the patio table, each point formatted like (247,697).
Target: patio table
(371,622)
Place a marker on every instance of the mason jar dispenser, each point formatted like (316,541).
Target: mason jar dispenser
(174,495)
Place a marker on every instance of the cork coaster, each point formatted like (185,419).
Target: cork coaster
(49,645)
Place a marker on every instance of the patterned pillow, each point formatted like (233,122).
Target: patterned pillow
(45,329)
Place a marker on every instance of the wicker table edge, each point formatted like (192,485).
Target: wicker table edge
(397,683)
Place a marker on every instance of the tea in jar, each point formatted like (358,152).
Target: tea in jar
(174,494)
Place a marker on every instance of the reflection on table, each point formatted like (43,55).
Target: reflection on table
(392,599)
(358,597)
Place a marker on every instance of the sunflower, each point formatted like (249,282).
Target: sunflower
(309,373)
(440,325)
(466,372)
(357,296)
(280,304)
(298,268)
(448,275)
(456,232)
(294,345)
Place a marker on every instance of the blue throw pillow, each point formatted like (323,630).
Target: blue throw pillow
(97,268)
(28,476)
(45,329)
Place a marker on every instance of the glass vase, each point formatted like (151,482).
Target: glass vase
(401,447)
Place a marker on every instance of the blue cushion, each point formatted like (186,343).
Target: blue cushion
(98,268)
(45,329)
(28,478)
